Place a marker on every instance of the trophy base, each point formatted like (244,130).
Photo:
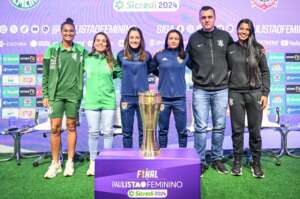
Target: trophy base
(150,154)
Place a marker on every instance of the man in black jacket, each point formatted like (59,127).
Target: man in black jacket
(207,50)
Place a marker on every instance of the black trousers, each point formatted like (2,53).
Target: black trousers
(240,103)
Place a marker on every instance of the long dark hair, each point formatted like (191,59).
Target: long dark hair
(141,48)
(253,53)
(108,51)
(180,47)
(68,21)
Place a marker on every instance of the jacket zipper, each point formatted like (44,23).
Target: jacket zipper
(212,56)
(211,51)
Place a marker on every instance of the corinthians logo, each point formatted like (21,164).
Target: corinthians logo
(24,4)
(264,5)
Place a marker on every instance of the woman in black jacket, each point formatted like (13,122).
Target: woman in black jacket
(249,86)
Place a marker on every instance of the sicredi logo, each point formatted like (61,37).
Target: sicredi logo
(146,5)
(10,112)
(27,59)
(292,89)
(292,99)
(10,80)
(10,69)
(277,89)
(27,69)
(8,92)
(27,80)
(10,59)
(276,57)
(10,102)
(27,91)
(24,4)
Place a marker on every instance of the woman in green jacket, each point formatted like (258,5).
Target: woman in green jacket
(100,98)
(62,93)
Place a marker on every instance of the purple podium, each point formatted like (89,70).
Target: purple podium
(124,173)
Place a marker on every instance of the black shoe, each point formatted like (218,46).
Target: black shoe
(219,166)
(236,169)
(204,168)
(256,170)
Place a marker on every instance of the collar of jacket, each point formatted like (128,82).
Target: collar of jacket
(98,55)
(62,48)
(206,34)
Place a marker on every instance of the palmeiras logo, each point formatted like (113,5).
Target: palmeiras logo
(264,5)
(24,4)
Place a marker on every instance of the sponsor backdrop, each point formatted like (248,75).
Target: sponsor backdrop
(27,27)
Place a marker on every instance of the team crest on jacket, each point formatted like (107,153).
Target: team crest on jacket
(264,5)
(74,56)
(220,43)
(162,107)
(124,105)
(179,60)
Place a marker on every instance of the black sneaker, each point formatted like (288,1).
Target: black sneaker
(256,170)
(204,168)
(236,169)
(219,166)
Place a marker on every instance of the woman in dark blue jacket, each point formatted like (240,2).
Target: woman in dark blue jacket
(134,62)
(170,64)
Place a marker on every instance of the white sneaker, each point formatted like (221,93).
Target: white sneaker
(69,169)
(91,169)
(53,170)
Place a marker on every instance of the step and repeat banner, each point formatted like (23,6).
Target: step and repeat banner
(27,27)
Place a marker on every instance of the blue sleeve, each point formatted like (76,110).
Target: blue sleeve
(154,65)
(149,59)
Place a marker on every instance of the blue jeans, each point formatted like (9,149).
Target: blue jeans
(99,121)
(178,106)
(203,102)
(130,106)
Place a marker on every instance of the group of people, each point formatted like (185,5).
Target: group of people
(223,72)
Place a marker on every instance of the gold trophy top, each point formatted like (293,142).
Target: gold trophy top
(149,97)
